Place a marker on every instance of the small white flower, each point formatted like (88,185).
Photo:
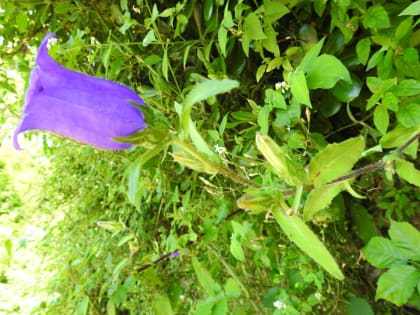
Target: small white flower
(182,297)
(51,42)
(219,150)
(280,305)
(283,86)
(318,295)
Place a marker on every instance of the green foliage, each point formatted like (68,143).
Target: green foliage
(400,256)
(286,109)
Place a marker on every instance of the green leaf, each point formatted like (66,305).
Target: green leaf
(149,38)
(381,253)
(110,308)
(376,18)
(83,306)
(320,198)
(274,10)
(299,88)
(204,307)
(232,289)
(397,284)
(406,238)
(220,307)
(161,305)
(335,160)
(198,93)
(207,282)
(408,115)
(363,50)
(381,118)
(22,21)
(407,171)
(404,28)
(222,37)
(398,136)
(358,306)
(263,118)
(310,56)
(347,92)
(201,92)
(412,9)
(408,87)
(252,27)
(300,234)
(236,250)
(282,164)
(325,71)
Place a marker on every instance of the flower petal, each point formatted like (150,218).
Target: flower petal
(78,106)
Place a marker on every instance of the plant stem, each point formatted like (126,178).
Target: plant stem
(374,166)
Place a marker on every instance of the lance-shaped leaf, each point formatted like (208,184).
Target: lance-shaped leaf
(335,160)
(287,169)
(300,234)
(84,108)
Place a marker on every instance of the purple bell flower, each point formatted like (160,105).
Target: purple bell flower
(78,106)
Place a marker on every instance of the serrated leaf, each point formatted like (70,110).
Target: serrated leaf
(406,238)
(381,253)
(407,171)
(299,88)
(282,164)
(206,280)
(397,284)
(317,76)
(300,234)
(335,160)
(320,198)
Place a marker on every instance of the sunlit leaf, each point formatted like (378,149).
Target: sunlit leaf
(335,160)
(282,164)
(381,253)
(412,9)
(253,28)
(408,172)
(325,71)
(320,198)
(397,284)
(299,88)
(406,238)
(300,234)
(161,305)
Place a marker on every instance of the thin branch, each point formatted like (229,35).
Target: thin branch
(407,143)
